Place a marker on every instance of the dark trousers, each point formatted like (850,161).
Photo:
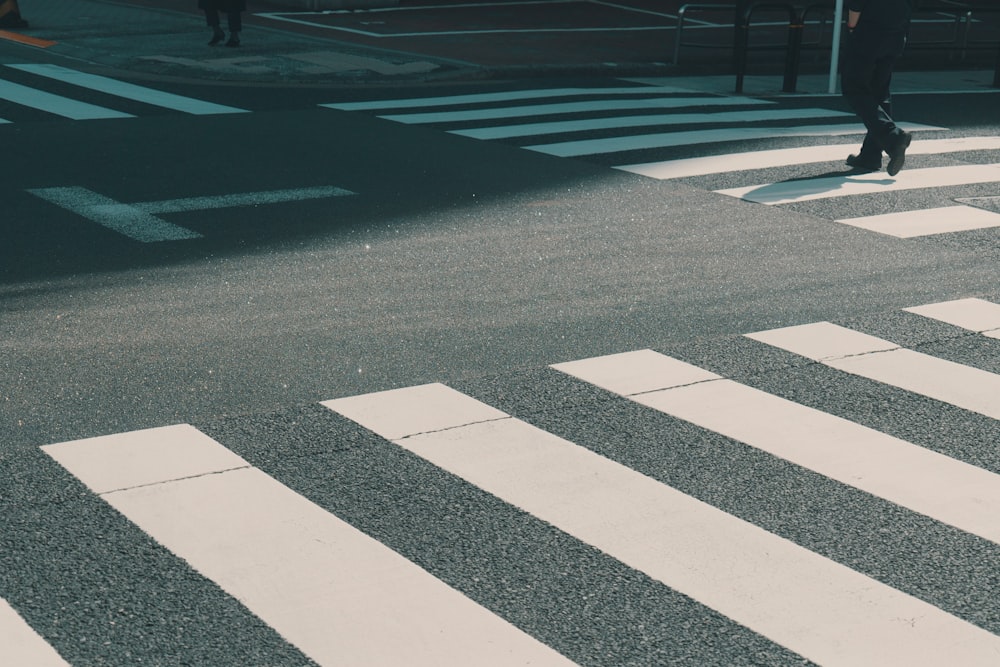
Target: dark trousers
(865,79)
(235,19)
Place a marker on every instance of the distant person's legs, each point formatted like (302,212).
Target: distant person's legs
(212,18)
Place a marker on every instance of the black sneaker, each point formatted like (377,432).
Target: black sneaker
(897,154)
(863,163)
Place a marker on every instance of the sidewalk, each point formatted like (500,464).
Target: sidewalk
(417,42)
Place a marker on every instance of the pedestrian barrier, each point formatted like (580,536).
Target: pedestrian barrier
(792,46)
(960,41)
(682,14)
(965,17)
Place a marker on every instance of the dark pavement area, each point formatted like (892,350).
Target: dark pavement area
(441,41)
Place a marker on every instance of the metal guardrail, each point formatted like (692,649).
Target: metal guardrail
(682,15)
(798,18)
(798,13)
(793,47)
(962,13)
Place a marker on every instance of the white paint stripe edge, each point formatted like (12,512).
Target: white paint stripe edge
(618,122)
(721,164)
(925,222)
(338,595)
(116,216)
(667,139)
(21,645)
(506,96)
(965,387)
(600,106)
(942,488)
(789,192)
(242,199)
(127,90)
(820,609)
(55,104)
(976,315)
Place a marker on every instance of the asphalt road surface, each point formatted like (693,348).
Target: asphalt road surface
(204,309)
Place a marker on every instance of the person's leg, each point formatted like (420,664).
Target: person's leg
(212,19)
(894,141)
(857,78)
(235,27)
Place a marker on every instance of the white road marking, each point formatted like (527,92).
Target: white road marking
(338,595)
(114,215)
(127,90)
(600,106)
(820,609)
(21,645)
(924,481)
(504,96)
(784,157)
(55,104)
(789,192)
(291,18)
(242,199)
(667,139)
(589,124)
(880,360)
(977,315)
(138,221)
(924,222)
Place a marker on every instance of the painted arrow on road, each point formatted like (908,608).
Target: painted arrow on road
(138,221)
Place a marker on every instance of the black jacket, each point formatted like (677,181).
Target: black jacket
(223,5)
(882,15)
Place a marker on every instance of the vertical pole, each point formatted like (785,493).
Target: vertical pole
(796,20)
(740,30)
(996,70)
(838,23)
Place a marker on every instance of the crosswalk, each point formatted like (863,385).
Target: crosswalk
(633,508)
(23,85)
(703,139)
(788,154)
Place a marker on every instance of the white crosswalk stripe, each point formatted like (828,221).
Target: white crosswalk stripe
(21,645)
(608,125)
(978,315)
(127,90)
(860,184)
(884,361)
(341,595)
(942,488)
(296,566)
(720,164)
(55,104)
(35,97)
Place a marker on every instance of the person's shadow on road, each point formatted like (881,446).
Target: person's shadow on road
(813,187)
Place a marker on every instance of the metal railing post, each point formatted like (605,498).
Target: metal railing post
(796,25)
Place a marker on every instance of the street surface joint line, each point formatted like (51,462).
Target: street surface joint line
(858,354)
(171,481)
(646,392)
(451,428)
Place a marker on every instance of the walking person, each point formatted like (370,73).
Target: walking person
(233,10)
(876,38)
